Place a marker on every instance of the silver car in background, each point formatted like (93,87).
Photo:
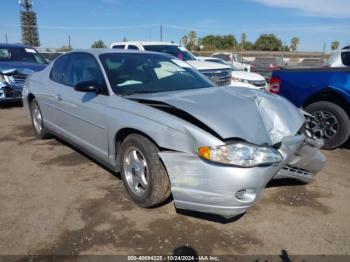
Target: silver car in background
(168,130)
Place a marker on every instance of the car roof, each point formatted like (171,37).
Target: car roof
(4,45)
(144,43)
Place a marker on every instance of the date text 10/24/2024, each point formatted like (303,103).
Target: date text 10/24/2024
(173,258)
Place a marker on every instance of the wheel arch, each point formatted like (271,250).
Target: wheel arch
(120,136)
(30,98)
(329,95)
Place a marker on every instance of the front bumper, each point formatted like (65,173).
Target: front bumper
(9,94)
(212,188)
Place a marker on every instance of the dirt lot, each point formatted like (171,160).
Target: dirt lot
(54,200)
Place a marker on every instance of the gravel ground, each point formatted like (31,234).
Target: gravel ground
(54,200)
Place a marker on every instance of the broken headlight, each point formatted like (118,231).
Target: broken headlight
(240,154)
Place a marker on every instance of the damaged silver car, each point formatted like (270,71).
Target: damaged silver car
(168,130)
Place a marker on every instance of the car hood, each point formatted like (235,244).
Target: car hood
(257,117)
(202,65)
(247,75)
(22,67)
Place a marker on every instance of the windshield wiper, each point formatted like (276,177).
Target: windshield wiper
(139,92)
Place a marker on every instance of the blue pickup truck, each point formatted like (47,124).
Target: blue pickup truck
(322,92)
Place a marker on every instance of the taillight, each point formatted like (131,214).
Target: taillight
(274,85)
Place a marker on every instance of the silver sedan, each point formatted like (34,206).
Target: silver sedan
(169,130)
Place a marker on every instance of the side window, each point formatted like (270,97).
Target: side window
(58,68)
(82,67)
(119,46)
(345,58)
(133,47)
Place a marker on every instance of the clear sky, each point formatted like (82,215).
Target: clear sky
(315,22)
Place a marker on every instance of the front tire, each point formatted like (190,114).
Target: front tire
(333,123)
(38,121)
(143,174)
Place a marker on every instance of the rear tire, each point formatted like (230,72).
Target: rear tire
(38,124)
(142,171)
(338,119)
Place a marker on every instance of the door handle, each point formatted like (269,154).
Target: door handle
(58,98)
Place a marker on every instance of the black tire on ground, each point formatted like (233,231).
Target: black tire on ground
(158,189)
(343,119)
(43,133)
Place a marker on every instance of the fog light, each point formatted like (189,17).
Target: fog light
(246,194)
(240,193)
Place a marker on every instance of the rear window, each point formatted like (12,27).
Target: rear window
(224,57)
(133,47)
(345,58)
(119,46)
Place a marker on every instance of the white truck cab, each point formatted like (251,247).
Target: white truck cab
(218,73)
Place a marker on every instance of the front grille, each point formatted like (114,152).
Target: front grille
(11,93)
(258,83)
(296,170)
(219,77)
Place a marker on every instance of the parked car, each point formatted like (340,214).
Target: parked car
(240,78)
(234,60)
(219,74)
(340,58)
(265,65)
(324,93)
(169,129)
(17,61)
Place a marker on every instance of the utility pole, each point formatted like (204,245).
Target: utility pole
(6,38)
(161,32)
(69,45)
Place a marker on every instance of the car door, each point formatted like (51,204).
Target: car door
(46,94)
(80,115)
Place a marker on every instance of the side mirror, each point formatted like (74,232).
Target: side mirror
(47,61)
(89,87)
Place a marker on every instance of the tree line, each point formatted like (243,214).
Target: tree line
(265,42)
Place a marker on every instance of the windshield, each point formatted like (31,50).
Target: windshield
(179,52)
(20,54)
(219,61)
(130,73)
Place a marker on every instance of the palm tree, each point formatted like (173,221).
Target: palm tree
(184,40)
(294,43)
(192,40)
(335,45)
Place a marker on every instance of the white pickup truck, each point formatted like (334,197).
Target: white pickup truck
(218,73)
